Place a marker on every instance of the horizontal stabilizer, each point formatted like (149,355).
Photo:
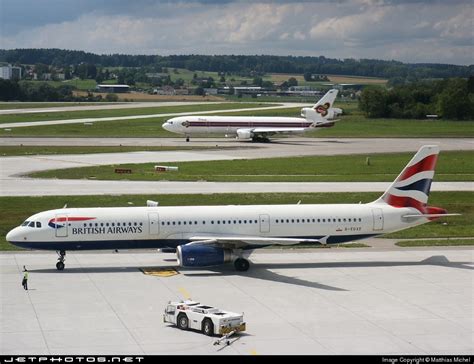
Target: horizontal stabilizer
(429,215)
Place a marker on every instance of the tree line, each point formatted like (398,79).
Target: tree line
(12,90)
(259,64)
(449,99)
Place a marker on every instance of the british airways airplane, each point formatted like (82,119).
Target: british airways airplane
(257,128)
(213,235)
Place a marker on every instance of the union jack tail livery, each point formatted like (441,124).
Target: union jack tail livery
(412,186)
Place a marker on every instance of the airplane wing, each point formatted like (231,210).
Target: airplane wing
(237,242)
(274,130)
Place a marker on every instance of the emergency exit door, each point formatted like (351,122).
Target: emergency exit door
(153,223)
(377,215)
(264,223)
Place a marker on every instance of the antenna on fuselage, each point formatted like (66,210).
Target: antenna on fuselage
(65,206)
(298,202)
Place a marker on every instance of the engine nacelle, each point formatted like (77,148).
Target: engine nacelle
(202,255)
(244,134)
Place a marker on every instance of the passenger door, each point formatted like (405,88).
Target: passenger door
(153,223)
(61,226)
(377,215)
(264,223)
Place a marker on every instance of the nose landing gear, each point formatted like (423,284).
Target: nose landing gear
(61,259)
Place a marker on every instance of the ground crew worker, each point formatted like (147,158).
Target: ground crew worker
(25,279)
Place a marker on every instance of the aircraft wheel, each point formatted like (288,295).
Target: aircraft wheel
(60,266)
(183,321)
(187,139)
(241,265)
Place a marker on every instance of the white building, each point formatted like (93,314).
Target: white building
(9,72)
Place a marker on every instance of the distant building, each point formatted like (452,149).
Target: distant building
(210,91)
(165,90)
(113,88)
(10,72)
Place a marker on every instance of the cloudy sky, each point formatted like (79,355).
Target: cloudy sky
(406,30)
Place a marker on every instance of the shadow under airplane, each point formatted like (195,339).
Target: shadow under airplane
(264,271)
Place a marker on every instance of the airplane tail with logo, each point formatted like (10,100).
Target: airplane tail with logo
(322,112)
(412,186)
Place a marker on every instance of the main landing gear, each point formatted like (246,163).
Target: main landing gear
(241,265)
(187,139)
(61,259)
(260,139)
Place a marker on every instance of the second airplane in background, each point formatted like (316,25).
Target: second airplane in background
(257,128)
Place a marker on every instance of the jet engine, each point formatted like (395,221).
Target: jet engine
(244,134)
(196,255)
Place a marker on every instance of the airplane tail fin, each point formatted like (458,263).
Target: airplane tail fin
(323,106)
(322,113)
(412,186)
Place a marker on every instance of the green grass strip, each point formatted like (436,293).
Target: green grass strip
(444,242)
(383,167)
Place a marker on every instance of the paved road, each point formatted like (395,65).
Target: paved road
(12,184)
(115,118)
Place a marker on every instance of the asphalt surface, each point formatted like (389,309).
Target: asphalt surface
(317,301)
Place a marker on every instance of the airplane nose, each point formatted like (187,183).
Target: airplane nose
(13,235)
(166,126)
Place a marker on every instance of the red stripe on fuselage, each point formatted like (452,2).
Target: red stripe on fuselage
(62,219)
(227,124)
(426,164)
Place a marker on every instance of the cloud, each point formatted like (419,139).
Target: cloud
(407,30)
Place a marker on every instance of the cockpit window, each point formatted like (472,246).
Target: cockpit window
(25,223)
(31,224)
(38,224)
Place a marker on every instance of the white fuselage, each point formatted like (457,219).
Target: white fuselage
(156,227)
(229,125)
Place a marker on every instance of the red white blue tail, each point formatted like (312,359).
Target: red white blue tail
(412,186)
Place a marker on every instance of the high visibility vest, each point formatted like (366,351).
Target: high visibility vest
(25,276)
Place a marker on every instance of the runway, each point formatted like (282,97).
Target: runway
(12,168)
(312,301)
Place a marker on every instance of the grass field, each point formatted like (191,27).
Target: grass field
(49,150)
(17,209)
(61,115)
(360,80)
(452,166)
(444,242)
(40,105)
